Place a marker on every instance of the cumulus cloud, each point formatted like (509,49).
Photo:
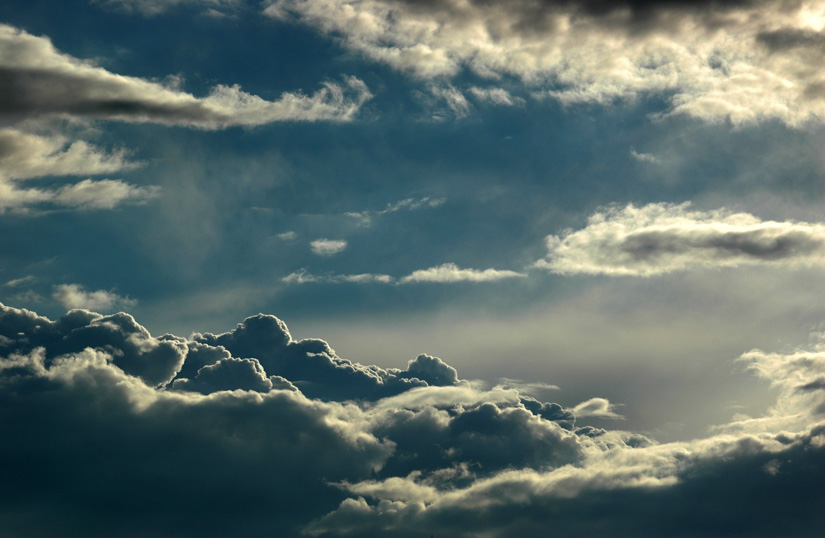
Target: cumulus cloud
(741,61)
(75,296)
(661,238)
(450,272)
(40,81)
(188,423)
(327,247)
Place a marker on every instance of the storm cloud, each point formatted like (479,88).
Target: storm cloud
(102,443)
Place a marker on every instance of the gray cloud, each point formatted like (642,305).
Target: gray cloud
(37,80)
(743,61)
(661,238)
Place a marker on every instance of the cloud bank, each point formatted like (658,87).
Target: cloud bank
(741,61)
(662,238)
(110,430)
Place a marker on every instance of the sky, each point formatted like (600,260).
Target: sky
(412,268)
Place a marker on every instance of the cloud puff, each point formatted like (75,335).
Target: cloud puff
(661,238)
(40,81)
(742,61)
(101,442)
(327,247)
(450,272)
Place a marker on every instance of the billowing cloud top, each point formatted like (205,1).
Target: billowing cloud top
(743,61)
(660,238)
(96,412)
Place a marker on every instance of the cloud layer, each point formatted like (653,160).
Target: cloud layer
(661,238)
(112,430)
(741,61)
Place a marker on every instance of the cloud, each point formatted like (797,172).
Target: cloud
(596,407)
(328,247)
(645,157)
(75,296)
(740,61)
(25,155)
(19,281)
(39,81)
(303,277)
(662,238)
(227,421)
(450,272)
(365,218)
(496,96)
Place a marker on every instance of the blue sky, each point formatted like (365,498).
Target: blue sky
(611,207)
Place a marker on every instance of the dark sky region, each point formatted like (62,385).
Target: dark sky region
(566,258)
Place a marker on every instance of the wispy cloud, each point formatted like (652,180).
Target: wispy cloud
(366,217)
(450,272)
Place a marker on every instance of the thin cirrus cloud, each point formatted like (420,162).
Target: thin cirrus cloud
(41,81)
(376,450)
(662,238)
(742,61)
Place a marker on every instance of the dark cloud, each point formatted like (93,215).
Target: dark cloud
(314,367)
(97,443)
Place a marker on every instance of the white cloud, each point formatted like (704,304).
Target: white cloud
(450,272)
(26,155)
(44,82)
(743,61)
(75,296)
(661,238)
(596,407)
(328,247)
